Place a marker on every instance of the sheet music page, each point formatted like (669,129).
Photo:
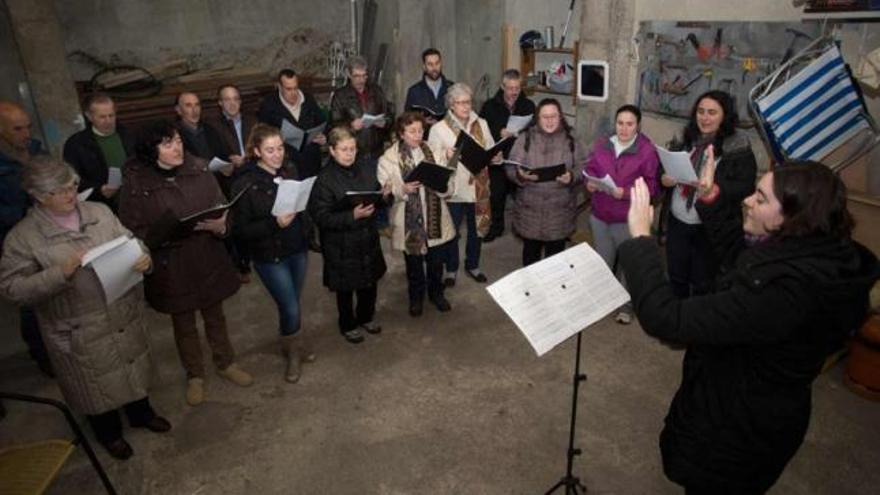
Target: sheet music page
(291,134)
(84,195)
(314,131)
(677,165)
(605,183)
(516,123)
(114,177)
(216,164)
(557,297)
(292,196)
(113,263)
(370,119)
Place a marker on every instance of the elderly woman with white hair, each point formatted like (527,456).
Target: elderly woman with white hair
(100,351)
(471,198)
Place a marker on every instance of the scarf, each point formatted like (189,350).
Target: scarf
(417,230)
(698,157)
(480,181)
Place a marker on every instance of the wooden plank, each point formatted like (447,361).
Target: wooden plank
(507,47)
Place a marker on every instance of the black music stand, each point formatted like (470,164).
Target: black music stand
(571,483)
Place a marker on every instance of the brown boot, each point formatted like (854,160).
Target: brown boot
(306,352)
(292,355)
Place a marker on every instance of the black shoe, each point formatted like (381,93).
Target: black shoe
(157,425)
(441,303)
(477,275)
(372,327)
(449,281)
(415,308)
(119,449)
(353,336)
(492,235)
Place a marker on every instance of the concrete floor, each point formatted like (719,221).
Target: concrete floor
(451,404)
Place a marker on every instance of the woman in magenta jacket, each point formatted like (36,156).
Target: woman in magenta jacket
(624,156)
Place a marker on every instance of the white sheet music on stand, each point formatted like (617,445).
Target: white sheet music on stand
(292,196)
(113,263)
(559,296)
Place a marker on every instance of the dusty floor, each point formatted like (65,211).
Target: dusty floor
(451,404)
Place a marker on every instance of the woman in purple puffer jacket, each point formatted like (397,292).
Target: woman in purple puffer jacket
(624,156)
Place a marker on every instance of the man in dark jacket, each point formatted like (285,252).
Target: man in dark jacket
(509,100)
(354,100)
(300,109)
(199,139)
(232,125)
(429,94)
(102,145)
(16,149)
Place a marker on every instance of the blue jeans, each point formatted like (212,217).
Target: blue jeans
(284,281)
(468,212)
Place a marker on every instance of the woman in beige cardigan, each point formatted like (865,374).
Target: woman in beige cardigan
(100,352)
(420,220)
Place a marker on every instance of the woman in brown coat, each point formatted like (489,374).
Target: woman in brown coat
(192,271)
(544,212)
(99,351)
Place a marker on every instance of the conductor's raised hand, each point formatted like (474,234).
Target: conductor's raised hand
(707,173)
(363,211)
(641,213)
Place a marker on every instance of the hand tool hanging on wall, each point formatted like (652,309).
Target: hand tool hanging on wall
(795,35)
(567,22)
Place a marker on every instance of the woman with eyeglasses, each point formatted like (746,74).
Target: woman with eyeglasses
(100,352)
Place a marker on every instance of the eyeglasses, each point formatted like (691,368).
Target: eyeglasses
(71,189)
(462,102)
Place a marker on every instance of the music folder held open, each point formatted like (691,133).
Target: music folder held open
(474,157)
(559,296)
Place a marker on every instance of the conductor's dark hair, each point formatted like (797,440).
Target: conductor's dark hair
(728,122)
(533,127)
(813,201)
(405,119)
(286,73)
(631,109)
(430,51)
(147,146)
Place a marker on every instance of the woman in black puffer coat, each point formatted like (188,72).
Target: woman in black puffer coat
(792,285)
(353,261)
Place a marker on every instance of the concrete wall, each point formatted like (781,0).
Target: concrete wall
(13,80)
(256,33)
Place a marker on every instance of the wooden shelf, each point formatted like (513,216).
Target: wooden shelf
(853,15)
(533,61)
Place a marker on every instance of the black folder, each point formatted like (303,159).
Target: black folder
(430,175)
(169,228)
(355,198)
(474,157)
(428,112)
(545,174)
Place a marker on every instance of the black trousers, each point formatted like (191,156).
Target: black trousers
(425,272)
(30,333)
(689,258)
(532,250)
(499,188)
(349,317)
(108,426)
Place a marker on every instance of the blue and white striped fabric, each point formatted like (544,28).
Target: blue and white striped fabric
(815,111)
